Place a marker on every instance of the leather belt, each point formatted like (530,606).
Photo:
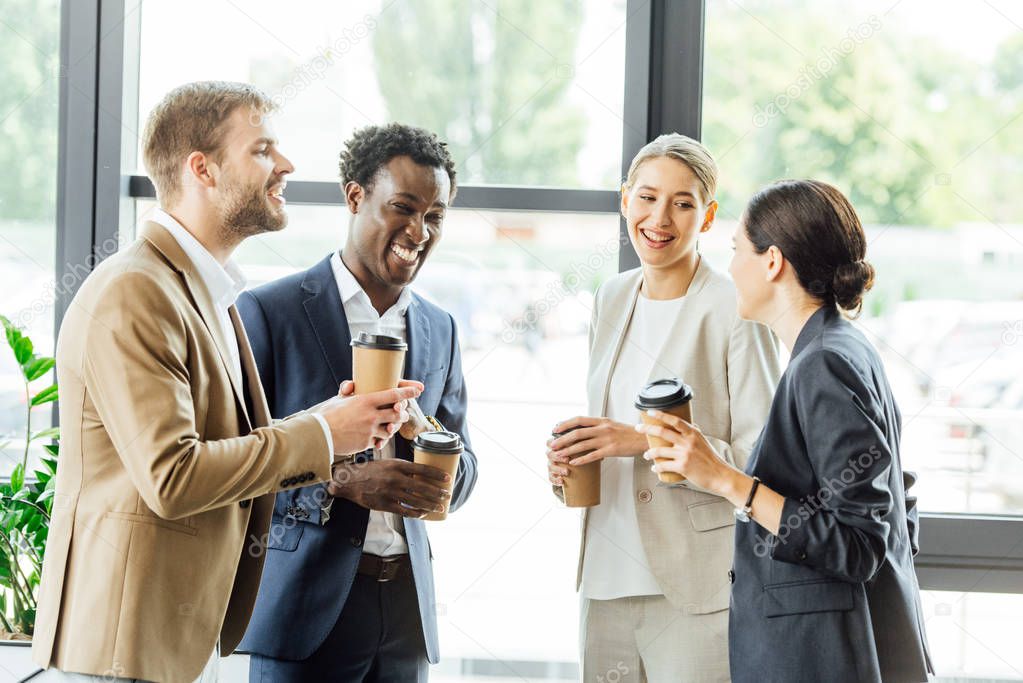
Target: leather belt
(385,569)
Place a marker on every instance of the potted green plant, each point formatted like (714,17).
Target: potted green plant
(26,502)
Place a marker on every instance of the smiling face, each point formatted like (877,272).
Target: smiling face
(251,177)
(665,213)
(396,222)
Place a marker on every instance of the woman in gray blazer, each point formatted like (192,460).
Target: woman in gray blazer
(824,587)
(654,560)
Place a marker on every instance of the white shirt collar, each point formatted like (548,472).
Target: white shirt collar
(350,288)
(224,283)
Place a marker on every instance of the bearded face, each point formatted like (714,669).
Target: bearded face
(253,208)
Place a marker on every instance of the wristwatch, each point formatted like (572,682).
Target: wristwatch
(743,514)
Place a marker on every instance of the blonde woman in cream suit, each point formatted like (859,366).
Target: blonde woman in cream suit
(654,562)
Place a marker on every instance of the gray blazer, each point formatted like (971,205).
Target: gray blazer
(733,367)
(833,597)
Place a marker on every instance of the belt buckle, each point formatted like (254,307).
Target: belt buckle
(388,570)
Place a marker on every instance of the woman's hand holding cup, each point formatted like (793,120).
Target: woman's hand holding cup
(592,439)
(690,454)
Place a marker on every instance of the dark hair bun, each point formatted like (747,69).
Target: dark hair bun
(850,282)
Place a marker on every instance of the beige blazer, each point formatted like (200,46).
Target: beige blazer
(163,491)
(733,367)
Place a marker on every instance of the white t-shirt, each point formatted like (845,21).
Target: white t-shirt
(614,563)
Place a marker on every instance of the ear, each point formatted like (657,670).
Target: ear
(625,202)
(200,170)
(354,195)
(775,264)
(708,220)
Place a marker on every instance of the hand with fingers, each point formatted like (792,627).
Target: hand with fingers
(394,485)
(369,420)
(690,455)
(589,439)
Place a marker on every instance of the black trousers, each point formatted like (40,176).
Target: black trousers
(377,639)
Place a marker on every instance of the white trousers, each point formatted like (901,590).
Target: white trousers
(644,639)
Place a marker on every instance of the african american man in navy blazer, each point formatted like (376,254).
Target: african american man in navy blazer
(347,589)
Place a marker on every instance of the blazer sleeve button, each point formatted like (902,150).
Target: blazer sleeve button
(645,496)
(731,576)
(356,541)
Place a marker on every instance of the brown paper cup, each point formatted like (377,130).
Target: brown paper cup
(448,462)
(582,485)
(685,412)
(376,369)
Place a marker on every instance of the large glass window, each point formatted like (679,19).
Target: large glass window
(29,57)
(970,635)
(524,93)
(913,109)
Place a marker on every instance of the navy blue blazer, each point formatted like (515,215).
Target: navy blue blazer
(834,596)
(300,338)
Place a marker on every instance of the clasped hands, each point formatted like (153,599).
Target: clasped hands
(358,423)
(690,454)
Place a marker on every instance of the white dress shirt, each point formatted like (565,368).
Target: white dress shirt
(224,283)
(615,563)
(384,535)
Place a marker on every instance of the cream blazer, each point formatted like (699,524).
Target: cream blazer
(733,366)
(164,491)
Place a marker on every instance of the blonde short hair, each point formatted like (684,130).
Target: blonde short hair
(684,149)
(191,118)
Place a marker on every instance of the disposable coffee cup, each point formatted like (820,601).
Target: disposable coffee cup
(672,396)
(377,362)
(582,485)
(442,450)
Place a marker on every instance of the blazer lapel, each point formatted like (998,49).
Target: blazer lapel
(418,331)
(165,243)
(327,317)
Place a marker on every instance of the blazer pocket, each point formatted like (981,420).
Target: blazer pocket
(285,535)
(141,518)
(711,514)
(807,597)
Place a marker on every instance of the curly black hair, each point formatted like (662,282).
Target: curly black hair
(370,148)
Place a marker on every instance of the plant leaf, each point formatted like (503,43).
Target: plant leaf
(47,395)
(17,477)
(23,350)
(51,433)
(38,367)
(52,449)
(12,332)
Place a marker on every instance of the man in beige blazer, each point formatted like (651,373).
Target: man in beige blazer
(169,461)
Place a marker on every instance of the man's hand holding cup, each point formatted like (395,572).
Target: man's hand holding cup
(359,422)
